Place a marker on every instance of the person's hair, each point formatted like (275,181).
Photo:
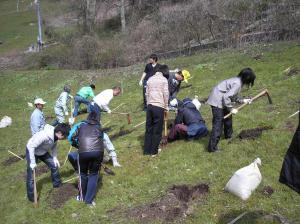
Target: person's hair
(63,128)
(247,76)
(180,73)
(154,57)
(93,86)
(164,69)
(117,88)
(67,88)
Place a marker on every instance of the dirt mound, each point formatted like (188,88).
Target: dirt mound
(59,196)
(11,160)
(120,134)
(267,191)
(174,206)
(253,133)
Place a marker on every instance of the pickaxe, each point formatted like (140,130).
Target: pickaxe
(263,93)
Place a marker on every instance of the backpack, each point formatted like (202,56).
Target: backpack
(73,134)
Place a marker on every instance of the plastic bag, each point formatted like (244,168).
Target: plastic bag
(245,180)
(5,121)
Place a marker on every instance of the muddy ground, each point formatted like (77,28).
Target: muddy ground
(59,196)
(11,160)
(173,207)
(253,133)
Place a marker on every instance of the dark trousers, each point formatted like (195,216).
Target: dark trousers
(93,107)
(89,165)
(48,159)
(144,94)
(217,126)
(178,131)
(154,127)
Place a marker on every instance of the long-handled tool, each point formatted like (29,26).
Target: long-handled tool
(15,155)
(294,114)
(263,93)
(35,190)
(127,114)
(67,155)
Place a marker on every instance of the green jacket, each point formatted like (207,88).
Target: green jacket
(85,92)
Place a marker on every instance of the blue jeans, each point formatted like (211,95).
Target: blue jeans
(89,165)
(79,100)
(93,107)
(72,157)
(48,160)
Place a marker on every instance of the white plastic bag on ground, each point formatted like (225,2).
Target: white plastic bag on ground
(245,180)
(5,121)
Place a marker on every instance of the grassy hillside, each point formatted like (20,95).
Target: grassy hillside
(144,180)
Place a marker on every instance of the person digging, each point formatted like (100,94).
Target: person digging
(82,97)
(221,100)
(189,123)
(38,148)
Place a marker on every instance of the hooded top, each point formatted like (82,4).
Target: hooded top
(90,135)
(188,114)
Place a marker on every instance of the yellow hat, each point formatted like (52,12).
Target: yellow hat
(186,75)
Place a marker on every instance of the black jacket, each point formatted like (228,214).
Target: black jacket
(290,171)
(90,137)
(174,86)
(188,114)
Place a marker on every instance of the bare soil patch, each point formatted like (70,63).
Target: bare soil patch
(11,160)
(174,206)
(59,196)
(253,133)
(267,191)
(120,134)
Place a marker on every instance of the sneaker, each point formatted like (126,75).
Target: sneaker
(78,198)
(92,205)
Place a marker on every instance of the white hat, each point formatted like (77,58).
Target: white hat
(39,101)
(196,103)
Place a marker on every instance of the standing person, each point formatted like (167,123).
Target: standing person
(290,171)
(61,106)
(37,119)
(174,83)
(157,94)
(149,71)
(221,99)
(90,153)
(38,147)
(102,100)
(82,97)
(73,139)
(189,123)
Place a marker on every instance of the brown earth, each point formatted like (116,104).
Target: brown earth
(267,191)
(173,207)
(11,160)
(253,133)
(59,196)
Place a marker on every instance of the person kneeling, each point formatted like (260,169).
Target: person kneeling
(189,123)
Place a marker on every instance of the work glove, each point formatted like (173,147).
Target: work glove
(56,162)
(32,165)
(247,100)
(71,120)
(141,83)
(66,113)
(71,96)
(109,111)
(234,111)
(115,162)
(174,102)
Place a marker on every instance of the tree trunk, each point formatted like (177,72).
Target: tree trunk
(123,21)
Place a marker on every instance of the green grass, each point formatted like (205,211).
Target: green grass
(142,179)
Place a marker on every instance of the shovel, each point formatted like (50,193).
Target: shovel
(35,190)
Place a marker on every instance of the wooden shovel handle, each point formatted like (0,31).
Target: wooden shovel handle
(244,104)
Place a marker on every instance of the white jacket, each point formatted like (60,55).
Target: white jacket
(103,99)
(41,142)
(62,101)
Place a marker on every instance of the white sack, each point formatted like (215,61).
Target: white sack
(245,180)
(5,121)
